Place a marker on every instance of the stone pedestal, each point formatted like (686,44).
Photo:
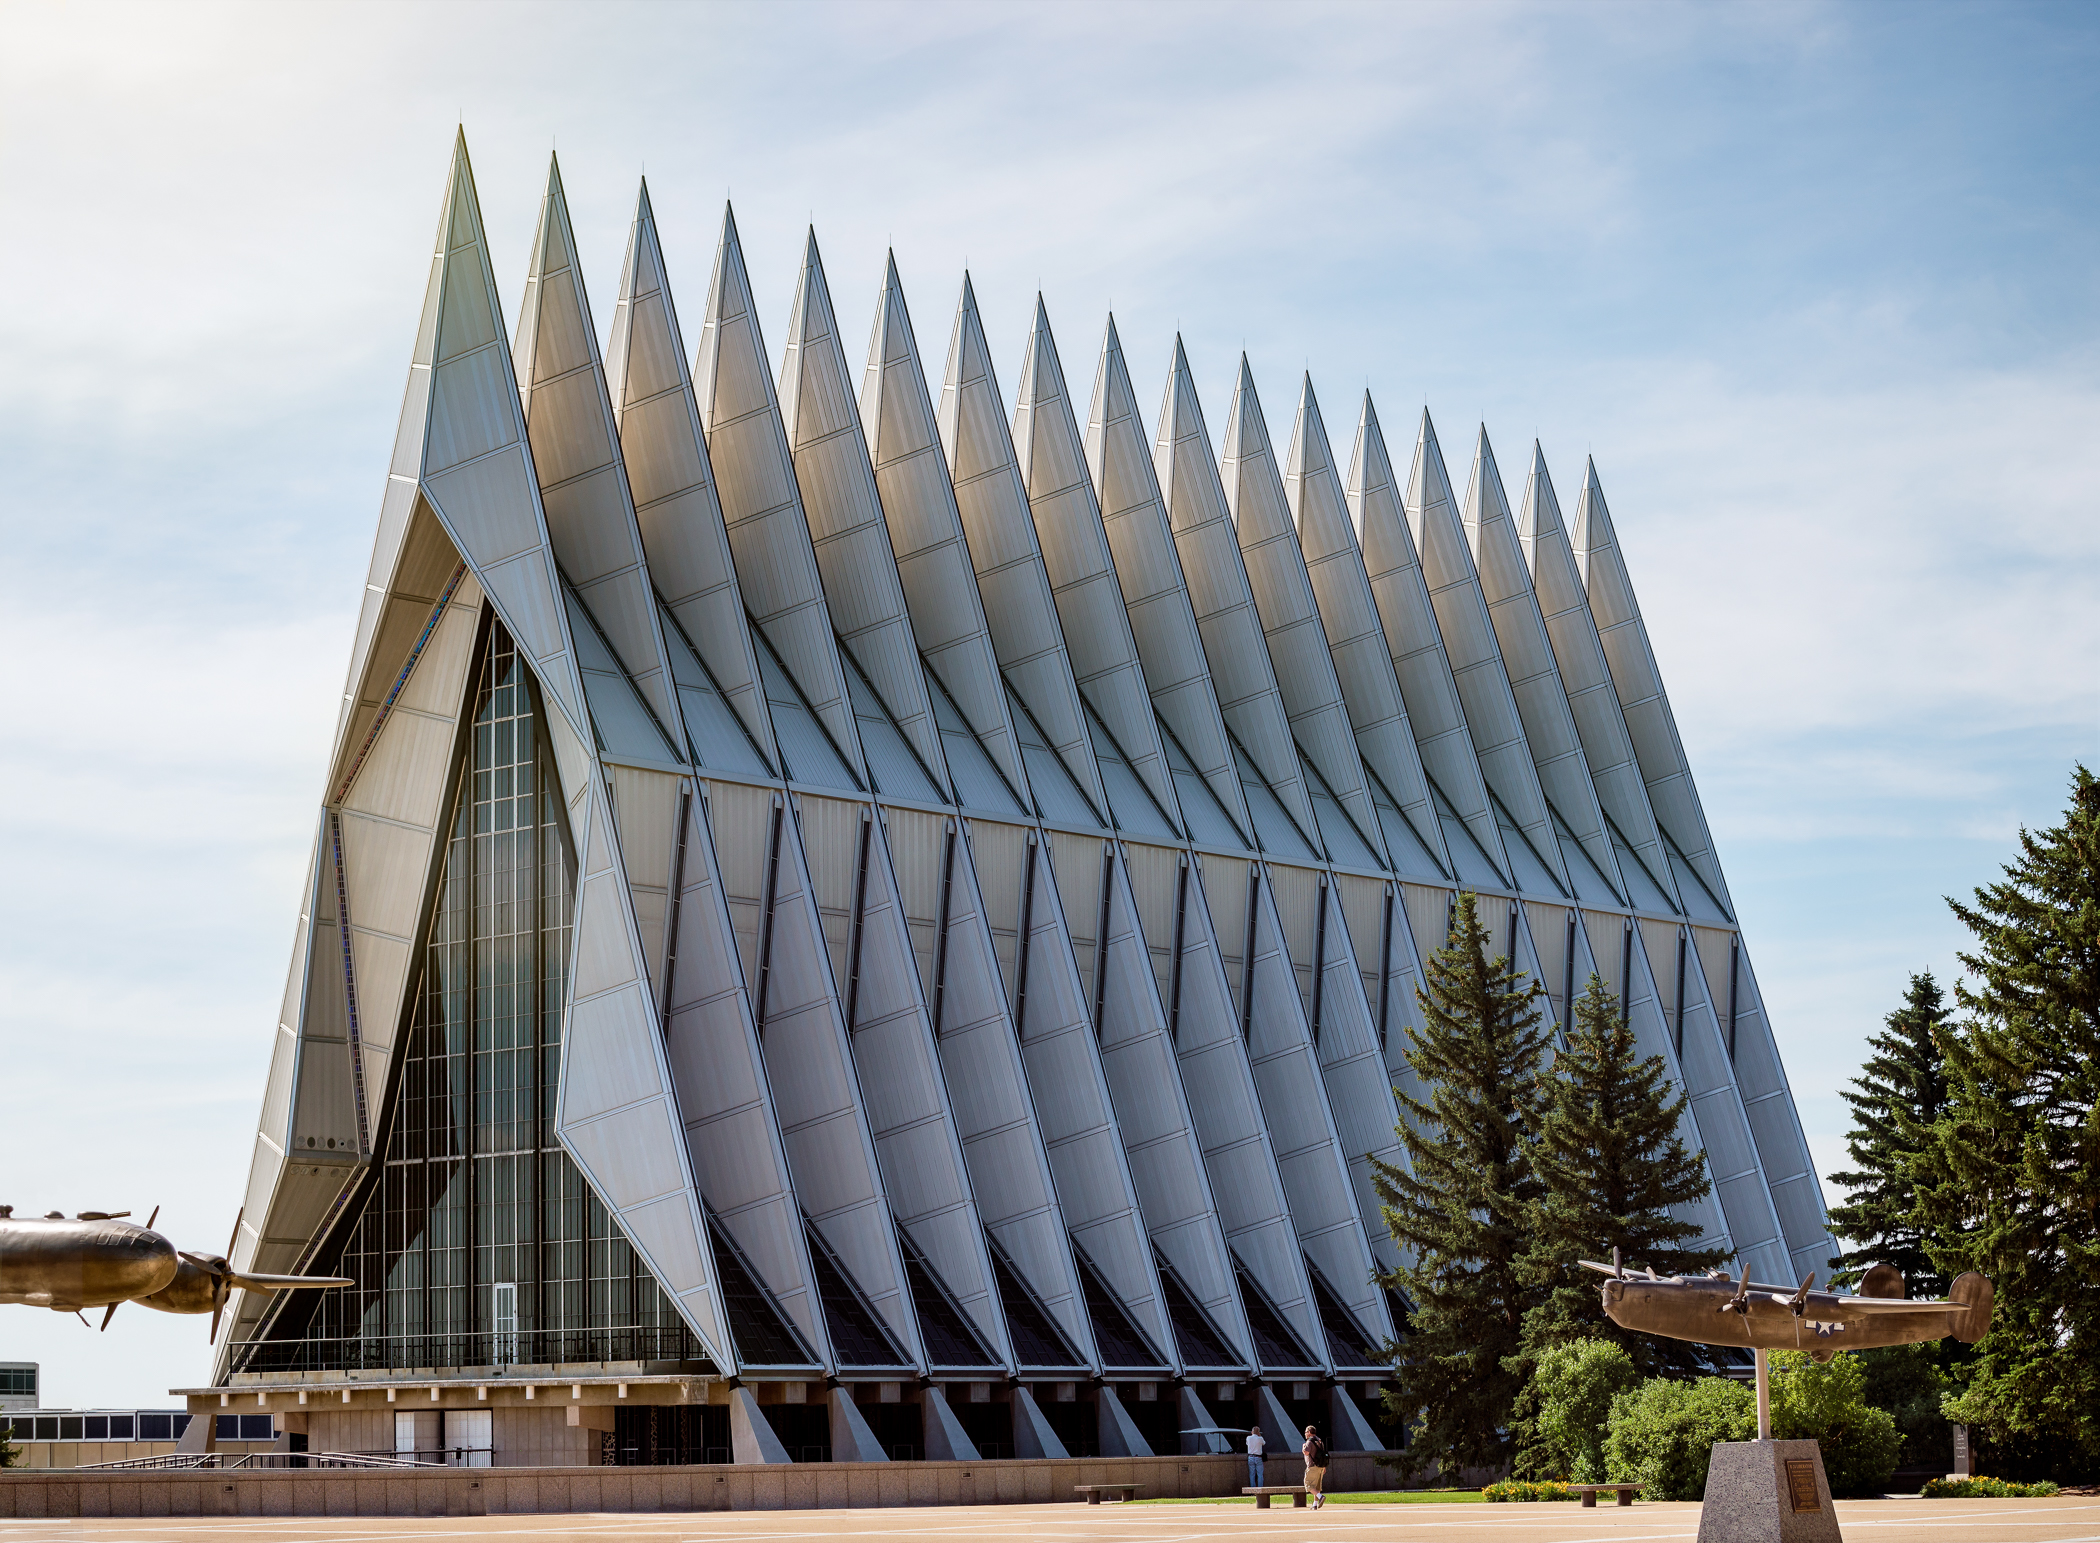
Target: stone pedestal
(1767,1492)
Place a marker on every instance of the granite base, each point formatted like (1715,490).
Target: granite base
(1767,1492)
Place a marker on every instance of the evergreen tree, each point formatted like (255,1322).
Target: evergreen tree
(2011,1184)
(1461,1209)
(1613,1168)
(1896,1100)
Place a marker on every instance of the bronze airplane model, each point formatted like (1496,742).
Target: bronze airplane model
(1715,1310)
(99,1260)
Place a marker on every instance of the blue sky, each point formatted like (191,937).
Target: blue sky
(1814,283)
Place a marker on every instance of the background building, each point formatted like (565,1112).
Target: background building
(19,1385)
(849,922)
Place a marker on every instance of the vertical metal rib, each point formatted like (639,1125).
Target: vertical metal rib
(1735,972)
(1320,960)
(1247,952)
(685,807)
(342,928)
(1385,965)
(860,911)
(1181,918)
(765,936)
(940,938)
(1021,944)
(1108,879)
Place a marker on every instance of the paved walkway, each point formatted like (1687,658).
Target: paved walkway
(2064,1520)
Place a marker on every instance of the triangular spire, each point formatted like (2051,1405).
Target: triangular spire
(1217,586)
(1012,580)
(1290,620)
(463,436)
(845,513)
(1476,661)
(1420,663)
(665,451)
(1534,677)
(1362,663)
(1649,721)
(776,566)
(1148,568)
(1585,674)
(1079,563)
(576,452)
(926,532)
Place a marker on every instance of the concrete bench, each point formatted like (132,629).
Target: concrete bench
(1297,1492)
(1094,1492)
(1589,1492)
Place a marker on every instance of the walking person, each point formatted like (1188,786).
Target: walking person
(1315,1454)
(1257,1445)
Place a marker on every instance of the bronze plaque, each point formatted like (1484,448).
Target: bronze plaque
(1801,1484)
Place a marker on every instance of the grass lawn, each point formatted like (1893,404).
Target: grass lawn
(1353,1497)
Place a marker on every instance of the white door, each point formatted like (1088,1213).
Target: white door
(503,1314)
(470,1437)
(404,1434)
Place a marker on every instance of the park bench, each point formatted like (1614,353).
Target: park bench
(1094,1492)
(1261,1495)
(1589,1492)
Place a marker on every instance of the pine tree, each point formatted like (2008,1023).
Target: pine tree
(1461,1209)
(1896,1100)
(1612,1166)
(2011,1185)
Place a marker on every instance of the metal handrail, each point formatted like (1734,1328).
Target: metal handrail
(228,1461)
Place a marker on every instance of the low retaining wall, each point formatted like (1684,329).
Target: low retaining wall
(715,1487)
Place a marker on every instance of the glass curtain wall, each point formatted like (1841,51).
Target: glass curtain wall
(478,1242)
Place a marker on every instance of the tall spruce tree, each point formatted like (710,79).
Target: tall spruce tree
(1462,1208)
(1613,1169)
(2011,1187)
(1897,1100)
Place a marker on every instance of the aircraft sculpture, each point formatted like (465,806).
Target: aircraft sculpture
(1716,1310)
(97,1259)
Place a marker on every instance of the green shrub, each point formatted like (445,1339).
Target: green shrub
(1909,1381)
(1574,1385)
(1981,1488)
(1828,1404)
(1661,1434)
(1528,1489)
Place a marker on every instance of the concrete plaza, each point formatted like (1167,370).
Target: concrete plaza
(2066,1520)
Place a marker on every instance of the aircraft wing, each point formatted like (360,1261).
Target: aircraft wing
(252,1282)
(1873,1305)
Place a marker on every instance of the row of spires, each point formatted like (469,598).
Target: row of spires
(1539,744)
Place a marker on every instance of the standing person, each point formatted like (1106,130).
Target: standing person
(1256,1446)
(1315,1454)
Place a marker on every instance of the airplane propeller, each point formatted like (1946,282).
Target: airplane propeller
(1799,1304)
(1740,1302)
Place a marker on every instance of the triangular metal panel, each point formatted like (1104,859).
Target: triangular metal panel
(1745,1035)
(1215,581)
(1013,582)
(1156,594)
(664,447)
(1155,1111)
(1534,676)
(776,567)
(1476,658)
(896,1064)
(1080,564)
(1435,712)
(576,453)
(1293,1076)
(1066,1082)
(474,465)
(719,1075)
(1363,1039)
(1638,682)
(1212,1048)
(1355,642)
(1585,673)
(1282,592)
(614,1110)
(926,531)
(810,1071)
(846,523)
(981,1068)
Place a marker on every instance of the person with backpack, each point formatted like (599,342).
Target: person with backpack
(1315,1454)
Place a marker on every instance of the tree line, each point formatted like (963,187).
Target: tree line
(1975,1145)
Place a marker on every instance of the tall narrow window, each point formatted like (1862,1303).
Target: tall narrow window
(475,1240)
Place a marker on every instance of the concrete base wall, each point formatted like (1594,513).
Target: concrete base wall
(717,1487)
